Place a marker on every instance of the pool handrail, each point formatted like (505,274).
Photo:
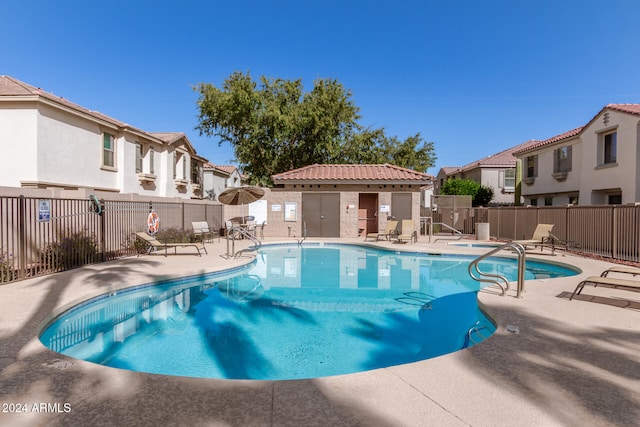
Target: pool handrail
(430,224)
(499,279)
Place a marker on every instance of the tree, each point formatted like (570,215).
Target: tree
(274,126)
(481,194)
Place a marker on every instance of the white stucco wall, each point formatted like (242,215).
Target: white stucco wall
(18,139)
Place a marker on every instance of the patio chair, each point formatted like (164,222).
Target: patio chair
(389,231)
(202,229)
(155,245)
(408,231)
(610,282)
(541,236)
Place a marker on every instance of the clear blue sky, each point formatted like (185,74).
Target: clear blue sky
(475,77)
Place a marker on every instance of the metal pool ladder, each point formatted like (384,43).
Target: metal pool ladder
(498,279)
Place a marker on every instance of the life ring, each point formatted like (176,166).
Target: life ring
(94,205)
(153,222)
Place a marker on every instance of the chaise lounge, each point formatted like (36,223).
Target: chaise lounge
(605,280)
(389,231)
(155,245)
(408,231)
(541,236)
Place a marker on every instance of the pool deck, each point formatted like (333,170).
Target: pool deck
(573,363)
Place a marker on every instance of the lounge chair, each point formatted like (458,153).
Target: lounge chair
(408,231)
(608,282)
(622,270)
(541,236)
(155,245)
(202,229)
(389,231)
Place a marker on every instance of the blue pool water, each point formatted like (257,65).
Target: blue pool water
(296,312)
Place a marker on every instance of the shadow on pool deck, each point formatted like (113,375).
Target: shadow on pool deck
(572,363)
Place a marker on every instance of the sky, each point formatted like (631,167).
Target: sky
(473,77)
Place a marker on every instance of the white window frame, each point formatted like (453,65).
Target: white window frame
(508,180)
(108,153)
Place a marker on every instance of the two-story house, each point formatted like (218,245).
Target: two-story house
(497,171)
(219,177)
(49,142)
(595,164)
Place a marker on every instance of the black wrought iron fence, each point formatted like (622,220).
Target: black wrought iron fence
(39,236)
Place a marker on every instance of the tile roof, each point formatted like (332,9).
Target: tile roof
(623,108)
(553,139)
(502,159)
(11,87)
(385,172)
(225,169)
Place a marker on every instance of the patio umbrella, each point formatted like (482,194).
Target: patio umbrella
(241,195)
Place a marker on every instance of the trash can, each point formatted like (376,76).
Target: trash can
(482,231)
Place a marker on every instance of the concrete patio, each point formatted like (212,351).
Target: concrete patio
(573,363)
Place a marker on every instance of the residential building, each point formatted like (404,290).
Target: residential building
(49,142)
(595,164)
(219,177)
(497,171)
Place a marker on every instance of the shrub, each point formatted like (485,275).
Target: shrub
(72,250)
(7,270)
(176,235)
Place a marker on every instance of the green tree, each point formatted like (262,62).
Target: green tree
(481,194)
(274,126)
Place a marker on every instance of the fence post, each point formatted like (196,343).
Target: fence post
(183,225)
(614,235)
(103,231)
(22,238)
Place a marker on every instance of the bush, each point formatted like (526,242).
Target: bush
(7,270)
(73,250)
(176,235)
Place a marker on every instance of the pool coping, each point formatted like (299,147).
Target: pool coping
(572,363)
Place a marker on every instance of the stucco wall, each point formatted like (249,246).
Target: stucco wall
(597,179)
(545,185)
(18,139)
(349,197)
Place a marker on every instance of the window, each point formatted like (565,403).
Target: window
(533,202)
(562,159)
(509,182)
(610,148)
(184,167)
(175,164)
(548,201)
(108,151)
(138,157)
(195,173)
(573,200)
(531,166)
(615,199)
(152,154)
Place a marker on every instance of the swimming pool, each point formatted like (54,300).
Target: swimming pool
(296,312)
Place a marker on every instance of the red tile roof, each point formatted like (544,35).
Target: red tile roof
(385,172)
(623,108)
(557,138)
